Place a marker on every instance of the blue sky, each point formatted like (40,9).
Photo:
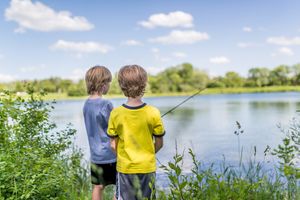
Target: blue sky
(45,38)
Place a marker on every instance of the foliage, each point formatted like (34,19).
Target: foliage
(248,181)
(233,79)
(114,86)
(77,89)
(183,78)
(289,154)
(245,181)
(280,75)
(37,161)
(295,74)
(259,77)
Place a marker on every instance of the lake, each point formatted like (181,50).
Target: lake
(206,124)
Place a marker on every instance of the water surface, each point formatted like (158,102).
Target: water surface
(206,123)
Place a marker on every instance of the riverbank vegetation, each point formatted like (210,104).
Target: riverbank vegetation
(180,80)
(38,161)
(250,179)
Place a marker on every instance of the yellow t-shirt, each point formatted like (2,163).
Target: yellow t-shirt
(135,128)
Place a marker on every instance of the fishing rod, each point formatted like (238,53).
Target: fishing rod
(175,107)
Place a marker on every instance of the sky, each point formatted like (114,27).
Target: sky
(46,38)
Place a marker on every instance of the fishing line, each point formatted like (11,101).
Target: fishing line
(175,107)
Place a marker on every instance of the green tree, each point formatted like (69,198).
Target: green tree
(216,82)
(170,80)
(2,86)
(47,85)
(64,85)
(296,74)
(19,86)
(78,89)
(114,86)
(185,71)
(280,75)
(199,79)
(233,79)
(259,76)
(180,78)
(159,83)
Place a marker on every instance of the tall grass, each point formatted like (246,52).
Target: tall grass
(247,180)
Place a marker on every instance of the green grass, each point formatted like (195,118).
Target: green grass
(64,96)
(251,90)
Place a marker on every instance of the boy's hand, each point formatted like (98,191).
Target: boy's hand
(159,142)
(113,144)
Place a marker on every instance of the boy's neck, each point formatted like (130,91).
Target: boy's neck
(95,96)
(137,101)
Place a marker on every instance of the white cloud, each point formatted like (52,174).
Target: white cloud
(154,70)
(155,50)
(219,60)
(172,19)
(131,43)
(81,47)
(158,57)
(284,40)
(164,59)
(77,74)
(6,78)
(181,37)
(27,69)
(283,51)
(243,44)
(246,44)
(38,16)
(247,29)
(32,68)
(179,54)
(20,30)
(286,51)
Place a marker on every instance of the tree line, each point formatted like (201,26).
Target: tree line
(181,78)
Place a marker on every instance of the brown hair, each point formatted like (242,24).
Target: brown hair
(96,77)
(132,80)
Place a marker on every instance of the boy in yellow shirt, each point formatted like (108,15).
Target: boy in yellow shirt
(136,131)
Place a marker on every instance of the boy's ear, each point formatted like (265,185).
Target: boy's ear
(104,88)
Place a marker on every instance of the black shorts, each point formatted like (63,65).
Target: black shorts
(103,174)
(136,186)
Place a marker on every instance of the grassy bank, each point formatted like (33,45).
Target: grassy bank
(64,96)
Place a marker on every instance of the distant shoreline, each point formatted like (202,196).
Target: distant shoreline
(208,91)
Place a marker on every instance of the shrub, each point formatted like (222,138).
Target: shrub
(37,161)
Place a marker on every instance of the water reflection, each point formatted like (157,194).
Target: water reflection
(180,120)
(270,105)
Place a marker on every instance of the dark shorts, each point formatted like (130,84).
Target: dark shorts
(103,174)
(136,186)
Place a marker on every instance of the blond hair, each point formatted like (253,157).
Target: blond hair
(132,80)
(95,78)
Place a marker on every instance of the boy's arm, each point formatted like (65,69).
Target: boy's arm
(114,144)
(107,110)
(159,142)
(158,131)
